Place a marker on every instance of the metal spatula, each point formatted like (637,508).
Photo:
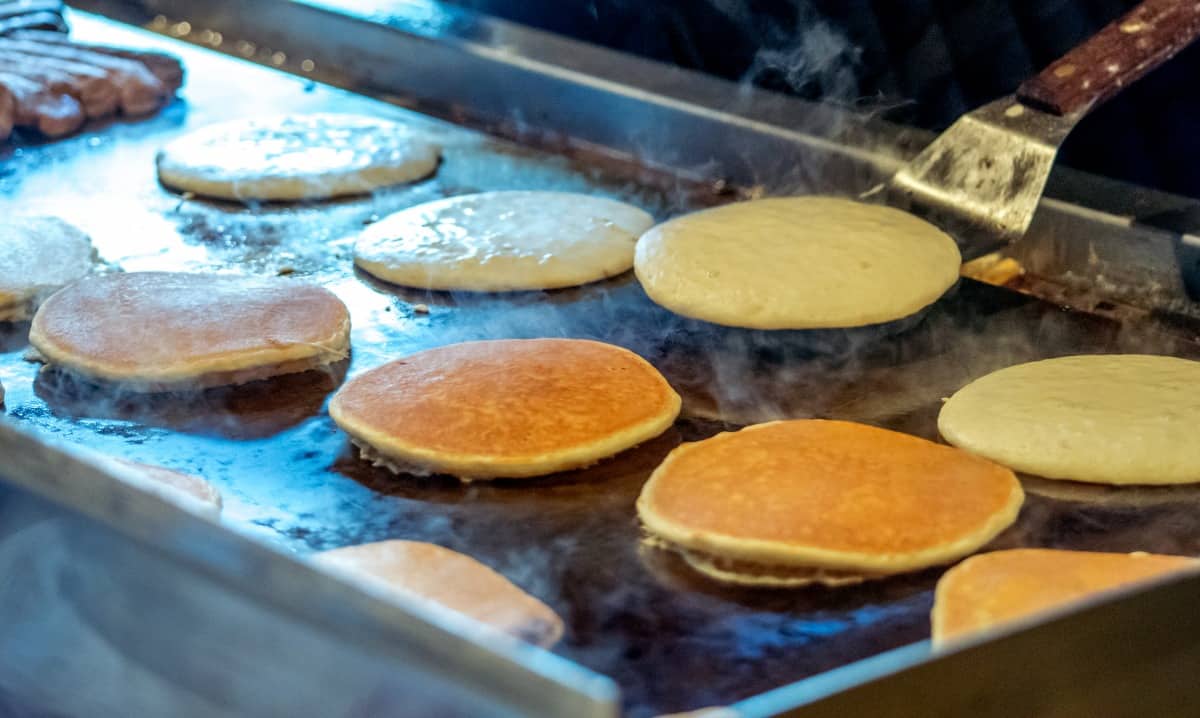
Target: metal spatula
(982,178)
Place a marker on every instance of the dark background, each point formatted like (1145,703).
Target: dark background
(920,62)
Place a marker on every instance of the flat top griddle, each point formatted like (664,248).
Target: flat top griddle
(671,639)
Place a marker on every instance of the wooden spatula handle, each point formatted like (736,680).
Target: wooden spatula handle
(1115,57)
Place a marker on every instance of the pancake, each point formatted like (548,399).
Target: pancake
(294,157)
(503,241)
(38,255)
(505,409)
(791,503)
(797,263)
(191,491)
(1106,419)
(450,579)
(164,331)
(994,588)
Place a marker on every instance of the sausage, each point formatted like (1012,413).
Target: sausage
(52,114)
(140,91)
(7,111)
(36,21)
(16,8)
(85,83)
(167,68)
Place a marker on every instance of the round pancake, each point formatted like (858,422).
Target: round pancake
(452,580)
(191,491)
(155,331)
(1108,419)
(505,409)
(994,588)
(503,241)
(37,256)
(294,157)
(796,263)
(804,501)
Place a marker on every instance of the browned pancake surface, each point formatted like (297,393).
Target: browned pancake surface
(454,580)
(507,398)
(176,481)
(998,587)
(829,485)
(162,323)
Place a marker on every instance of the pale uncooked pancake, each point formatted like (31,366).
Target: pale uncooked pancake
(1110,419)
(156,331)
(994,588)
(452,580)
(503,241)
(811,501)
(295,157)
(797,263)
(191,491)
(38,255)
(505,409)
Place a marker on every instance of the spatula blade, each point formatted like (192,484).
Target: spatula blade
(982,178)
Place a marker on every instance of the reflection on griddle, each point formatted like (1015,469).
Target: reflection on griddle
(1112,496)
(439,298)
(248,411)
(14,336)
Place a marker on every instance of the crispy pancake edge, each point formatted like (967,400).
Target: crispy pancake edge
(484,467)
(192,374)
(775,553)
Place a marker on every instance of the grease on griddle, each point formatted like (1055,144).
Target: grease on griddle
(248,411)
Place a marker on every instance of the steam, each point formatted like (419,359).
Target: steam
(805,55)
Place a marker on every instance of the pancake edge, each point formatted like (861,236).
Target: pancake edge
(721,318)
(776,553)
(254,365)
(937,614)
(543,626)
(949,432)
(386,451)
(400,457)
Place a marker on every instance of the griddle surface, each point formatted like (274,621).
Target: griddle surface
(670,639)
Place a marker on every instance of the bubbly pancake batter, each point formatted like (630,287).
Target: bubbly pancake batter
(38,255)
(503,241)
(294,157)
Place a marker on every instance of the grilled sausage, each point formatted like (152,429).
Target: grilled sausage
(167,68)
(7,111)
(53,114)
(89,85)
(140,91)
(16,8)
(37,21)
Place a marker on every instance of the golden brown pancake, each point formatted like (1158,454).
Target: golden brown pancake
(176,486)
(994,588)
(791,503)
(508,408)
(451,579)
(37,256)
(156,331)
